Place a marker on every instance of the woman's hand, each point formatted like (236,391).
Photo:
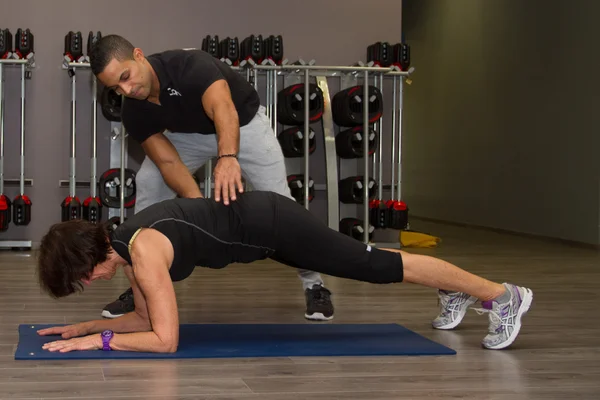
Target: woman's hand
(67,332)
(91,342)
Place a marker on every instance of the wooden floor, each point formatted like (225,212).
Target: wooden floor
(557,355)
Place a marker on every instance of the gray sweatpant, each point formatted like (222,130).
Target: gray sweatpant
(260,158)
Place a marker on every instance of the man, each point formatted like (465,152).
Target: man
(166,241)
(186,107)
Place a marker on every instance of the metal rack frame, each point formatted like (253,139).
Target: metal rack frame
(117,151)
(26,65)
(320,73)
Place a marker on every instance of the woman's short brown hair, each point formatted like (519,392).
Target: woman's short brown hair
(68,253)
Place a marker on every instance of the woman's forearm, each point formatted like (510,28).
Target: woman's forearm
(133,332)
(130,322)
(141,341)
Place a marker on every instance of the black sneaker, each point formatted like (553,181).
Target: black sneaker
(121,306)
(318,304)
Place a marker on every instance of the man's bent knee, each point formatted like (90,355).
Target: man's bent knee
(150,186)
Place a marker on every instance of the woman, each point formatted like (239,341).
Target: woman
(164,243)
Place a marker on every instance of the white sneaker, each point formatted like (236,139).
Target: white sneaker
(453,307)
(505,319)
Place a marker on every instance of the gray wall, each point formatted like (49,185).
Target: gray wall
(331,32)
(501,126)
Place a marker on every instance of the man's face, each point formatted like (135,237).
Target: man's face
(131,78)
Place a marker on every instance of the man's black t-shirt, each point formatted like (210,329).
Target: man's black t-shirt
(184,76)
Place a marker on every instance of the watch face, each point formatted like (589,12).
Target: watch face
(107,333)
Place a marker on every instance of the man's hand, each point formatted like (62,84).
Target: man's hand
(91,342)
(66,332)
(228,174)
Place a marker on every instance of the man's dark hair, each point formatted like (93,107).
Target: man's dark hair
(68,253)
(107,48)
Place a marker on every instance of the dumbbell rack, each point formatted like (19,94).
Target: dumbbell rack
(118,150)
(302,72)
(26,65)
(346,74)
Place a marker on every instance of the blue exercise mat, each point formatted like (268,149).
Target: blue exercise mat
(259,340)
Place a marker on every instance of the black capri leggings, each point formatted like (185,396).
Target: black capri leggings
(304,242)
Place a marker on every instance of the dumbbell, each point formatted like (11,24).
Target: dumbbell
(73,46)
(252,48)
(290,104)
(210,44)
(347,106)
(351,189)
(292,142)
(92,40)
(349,142)
(110,186)
(274,48)
(5,212)
(21,210)
(296,184)
(397,214)
(70,208)
(116,184)
(230,50)
(6,43)
(353,227)
(23,43)
(92,209)
(381,54)
(401,52)
(379,214)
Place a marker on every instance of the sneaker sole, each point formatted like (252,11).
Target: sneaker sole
(472,300)
(318,317)
(525,305)
(107,314)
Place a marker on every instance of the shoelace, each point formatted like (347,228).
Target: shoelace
(320,295)
(448,303)
(127,295)
(498,322)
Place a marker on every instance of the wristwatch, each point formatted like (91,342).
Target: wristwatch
(107,335)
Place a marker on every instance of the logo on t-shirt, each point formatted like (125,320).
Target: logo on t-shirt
(173,92)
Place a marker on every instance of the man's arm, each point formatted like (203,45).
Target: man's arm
(219,107)
(174,172)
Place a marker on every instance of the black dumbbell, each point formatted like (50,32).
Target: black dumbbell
(353,227)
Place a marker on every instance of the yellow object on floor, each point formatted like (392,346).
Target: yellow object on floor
(418,239)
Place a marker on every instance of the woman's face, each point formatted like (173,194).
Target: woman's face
(105,271)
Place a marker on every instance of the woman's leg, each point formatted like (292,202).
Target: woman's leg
(439,274)
(305,242)
(506,303)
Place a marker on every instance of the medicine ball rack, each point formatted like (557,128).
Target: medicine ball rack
(26,62)
(344,73)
